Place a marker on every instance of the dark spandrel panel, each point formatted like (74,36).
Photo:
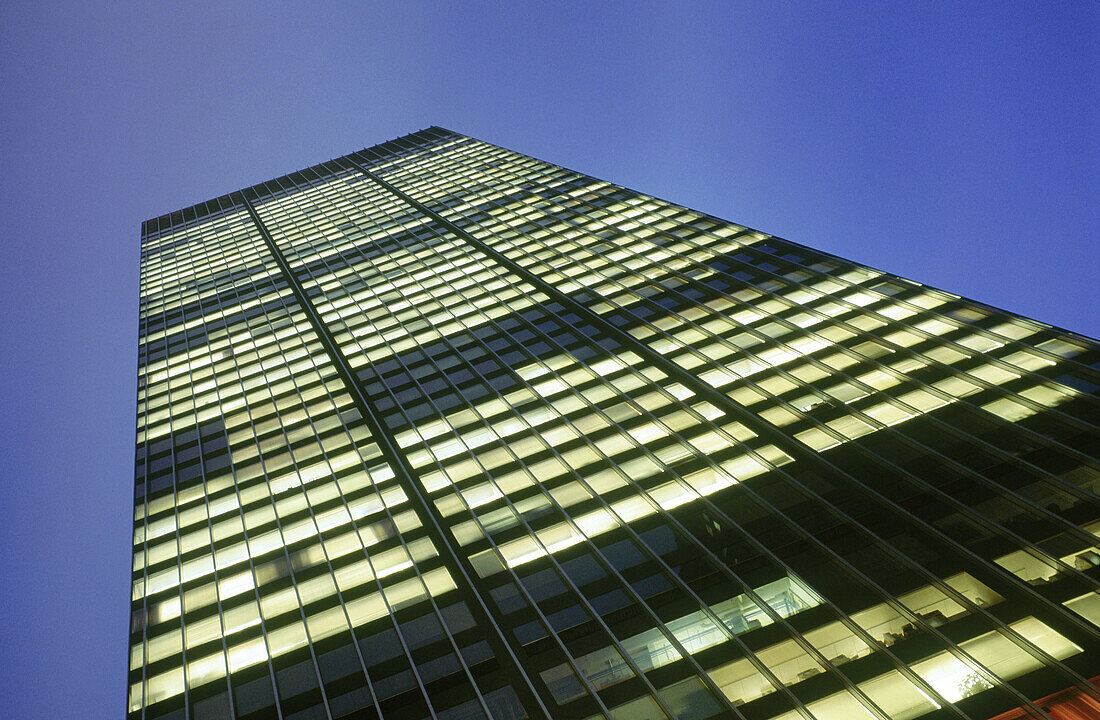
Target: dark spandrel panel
(476,653)
(163,713)
(386,686)
(212,708)
(349,702)
(469,710)
(296,679)
(254,696)
(339,663)
(313,712)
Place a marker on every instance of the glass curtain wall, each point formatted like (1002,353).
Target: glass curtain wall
(437,429)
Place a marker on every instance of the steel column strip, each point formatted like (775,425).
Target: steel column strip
(457,565)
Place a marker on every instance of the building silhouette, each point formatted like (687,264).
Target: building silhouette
(436,429)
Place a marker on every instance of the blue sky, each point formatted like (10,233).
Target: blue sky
(954,145)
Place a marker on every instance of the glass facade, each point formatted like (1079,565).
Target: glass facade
(439,430)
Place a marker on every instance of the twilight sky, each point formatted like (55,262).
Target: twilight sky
(954,147)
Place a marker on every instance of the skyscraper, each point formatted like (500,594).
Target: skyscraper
(436,429)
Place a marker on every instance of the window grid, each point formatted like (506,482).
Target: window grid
(663,441)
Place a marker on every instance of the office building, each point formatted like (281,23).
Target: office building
(437,429)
